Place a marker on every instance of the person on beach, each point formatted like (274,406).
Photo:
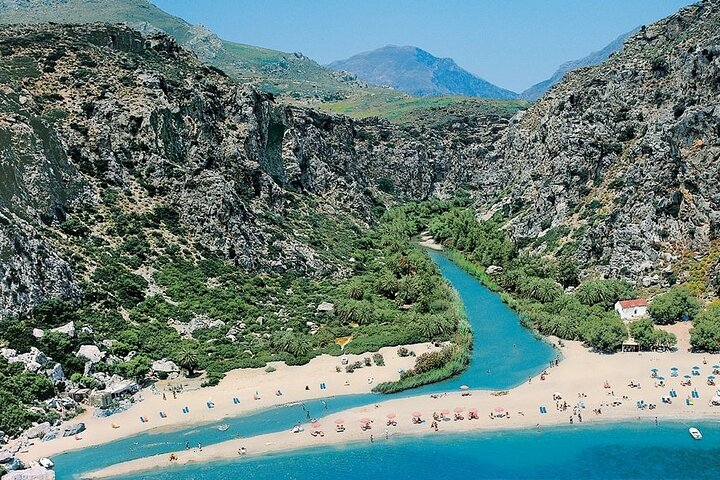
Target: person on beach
(372,440)
(199,447)
(387,434)
(187,445)
(571,419)
(537,427)
(164,396)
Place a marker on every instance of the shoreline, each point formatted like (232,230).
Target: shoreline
(243,384)
(157,463)
(579,378)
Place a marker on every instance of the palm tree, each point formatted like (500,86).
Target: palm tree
(187,358)
(300,346)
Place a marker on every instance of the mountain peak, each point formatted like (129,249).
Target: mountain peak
(418,72)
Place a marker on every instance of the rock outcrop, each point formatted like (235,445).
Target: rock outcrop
(618,164)
(121,123)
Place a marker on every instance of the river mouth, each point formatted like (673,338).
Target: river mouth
(504,355)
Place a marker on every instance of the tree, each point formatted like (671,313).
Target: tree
(135,368)
(187,358)
(643,331)
(604,292)
(605,335)
(567,273)
(675,305)
(705,334)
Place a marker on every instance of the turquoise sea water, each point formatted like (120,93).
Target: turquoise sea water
(504,355)
(619,451)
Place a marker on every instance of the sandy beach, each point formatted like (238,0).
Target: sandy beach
(427,241)
(244,384)
(580,377)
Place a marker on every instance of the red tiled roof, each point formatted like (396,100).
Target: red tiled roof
(638,302)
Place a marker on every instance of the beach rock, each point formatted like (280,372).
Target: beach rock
(38,333)
(51,435)
(5,456)
(326,307)
(34,473)
(164,366)
(74,429)
(67,329)
(38,431)
(14,464)
(91,352)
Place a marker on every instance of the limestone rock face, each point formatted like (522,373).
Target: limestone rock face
(618,164)
(225,165)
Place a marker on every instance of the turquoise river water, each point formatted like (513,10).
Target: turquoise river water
(505,354)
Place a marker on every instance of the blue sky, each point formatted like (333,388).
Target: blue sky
(512,43)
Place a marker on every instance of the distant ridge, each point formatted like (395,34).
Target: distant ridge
(418,72)
(594,58)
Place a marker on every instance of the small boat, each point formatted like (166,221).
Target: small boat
(695,433)
(46,462)
(223,427)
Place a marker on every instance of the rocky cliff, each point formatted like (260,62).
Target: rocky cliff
(618,165)
(117,141)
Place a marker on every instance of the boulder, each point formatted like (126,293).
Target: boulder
(8,353)
(38,333)
(38,431)
(67,329)
(91,352)
(5,456)
(57,374)
(326,307)
(164,366)
(493,269)
(34,473)
(74,429)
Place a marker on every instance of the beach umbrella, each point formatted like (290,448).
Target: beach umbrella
(458,409)
(473,410)
(499,409)
(716,366)
(365,420)
(711,377)
(660,378)
(653,369)
(390,415)
(464,387)
(316,425)
(674,368)
(444,411)
(417,414)
(687,376)
(339,421)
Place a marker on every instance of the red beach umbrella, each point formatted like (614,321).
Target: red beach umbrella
(339,421)
(316,425)
(391,415)
(458,409)
(417,414)
(365,420)
(445,411)
(499,409)
(473,410)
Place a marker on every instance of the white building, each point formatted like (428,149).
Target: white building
(630,309)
